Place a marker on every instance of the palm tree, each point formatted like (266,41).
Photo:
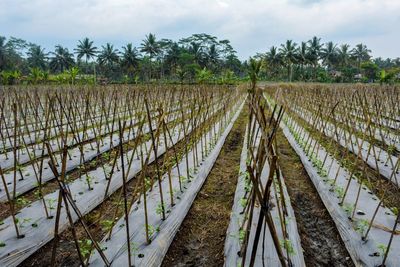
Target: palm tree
(329,54)
(172,57)
(314,49)
(288,52)
(86,49)
(273,58)
(62,59)
(254,70)
(344,55)
(213,56)
(108,56)
(37,57)
(360,53)
(196,50)
(130,58)
(302,57)
(151,47)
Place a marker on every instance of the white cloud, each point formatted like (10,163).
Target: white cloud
(251,25)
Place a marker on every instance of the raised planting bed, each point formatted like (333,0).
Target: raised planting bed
(149,249)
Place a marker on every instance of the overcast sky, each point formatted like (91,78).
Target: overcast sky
(251,25)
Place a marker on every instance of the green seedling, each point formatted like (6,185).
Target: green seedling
(362,226)
(287,244)
(85,247)
(107,225)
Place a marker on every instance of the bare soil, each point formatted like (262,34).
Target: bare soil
(201,237)
(321,242)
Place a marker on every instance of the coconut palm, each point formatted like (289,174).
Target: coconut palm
(130,58)
(62,59)
(172,56)
(37,57)
(360,53)
(314,49)
(289,56)
(213,56)
(344,55)
(196,50)
(274,59)
(108,56)
(302,57)
(253,71)
(329,54)
(151,47)
(85,48)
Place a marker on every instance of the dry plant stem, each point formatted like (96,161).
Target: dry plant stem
(10,203)
(59,206)
(126,212)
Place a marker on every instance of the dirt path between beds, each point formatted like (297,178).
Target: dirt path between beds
(320,239)
(201,237)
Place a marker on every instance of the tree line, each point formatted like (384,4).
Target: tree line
(199,57)
(313,60)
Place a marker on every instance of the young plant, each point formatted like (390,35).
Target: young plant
(287,244)
(85,247)
(107,225)
(242,235)
(339,191)
(160,208)
(382,250)
(151,229)
(147,183)
(362,226)
(348,208)
(243,202)
(21,202)
(22,223)
(51,204)
(88,181)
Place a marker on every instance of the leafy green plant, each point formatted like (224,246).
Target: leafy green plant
(51,204)
(242,235)
(85,247)
(37,194)
(395,211)
(21,202)
(183,178)
(106,225)
(339,191)
(88,181)
(243,202)
(151,229)
(362,226)
(147,183)
(382,249)
(22,223)
(160,208)
(134,250)
(287,244)
(348,208)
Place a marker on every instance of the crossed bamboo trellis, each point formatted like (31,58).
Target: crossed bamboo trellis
(262,149)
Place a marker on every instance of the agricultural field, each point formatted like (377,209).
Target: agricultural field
(210,175)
